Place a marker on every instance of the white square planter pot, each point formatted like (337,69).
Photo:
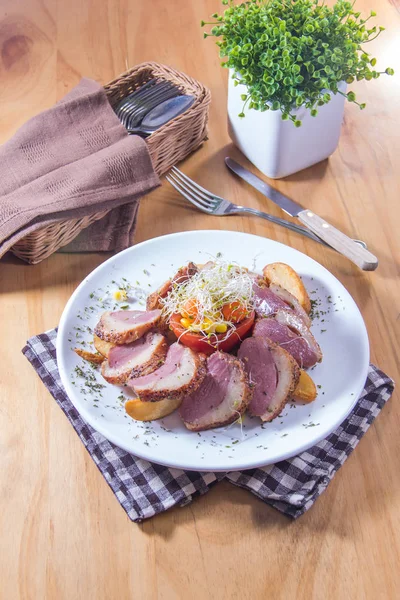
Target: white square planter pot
(277,148)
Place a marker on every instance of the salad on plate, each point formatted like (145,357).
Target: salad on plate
(216,340)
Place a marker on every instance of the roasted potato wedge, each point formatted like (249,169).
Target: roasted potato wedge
(90,356)
(150,411)
(283,275)
(101,346)
(306,390)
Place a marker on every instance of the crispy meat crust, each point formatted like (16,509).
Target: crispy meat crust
(184,273)
(123,337)
(146,368)
(246,395)
(295,376)
(153,301)
(101,346)
(200,371)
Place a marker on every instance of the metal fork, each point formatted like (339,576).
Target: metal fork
(215,205)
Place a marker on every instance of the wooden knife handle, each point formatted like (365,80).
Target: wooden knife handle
(338,240)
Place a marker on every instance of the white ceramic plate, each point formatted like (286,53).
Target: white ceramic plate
(338,327)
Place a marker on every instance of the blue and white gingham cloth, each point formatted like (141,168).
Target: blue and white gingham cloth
(144,489)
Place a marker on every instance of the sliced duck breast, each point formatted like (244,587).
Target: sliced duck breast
(222,397)
(286,317)
(266,303)
(132,360)
(183,274)
(268,300)
(181,373)
(125,326)
(273,374)
(291,302)
(292,342)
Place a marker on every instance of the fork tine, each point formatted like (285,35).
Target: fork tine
(185,195)
(189,193)
(194,193)
(178,173)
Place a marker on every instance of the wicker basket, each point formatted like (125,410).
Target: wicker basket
(167,146)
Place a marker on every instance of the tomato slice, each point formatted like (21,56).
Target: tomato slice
(199,343)
(234,312)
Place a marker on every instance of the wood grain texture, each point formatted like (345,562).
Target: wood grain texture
(354,251)
(62,533)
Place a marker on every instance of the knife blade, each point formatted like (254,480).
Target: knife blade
(360,256)
(289,206)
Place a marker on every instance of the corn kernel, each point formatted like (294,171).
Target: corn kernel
(208,326)
(186,323)
(120,295)
(221,328)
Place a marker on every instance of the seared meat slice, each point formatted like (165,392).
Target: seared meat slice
(274,374)
(184,273)
(132,360)
(101,346)
(222,397)
(182,373)
(286,317)
(268,300)
(153,300)
(291,341)
(266,303)
(125,326)
(292,303)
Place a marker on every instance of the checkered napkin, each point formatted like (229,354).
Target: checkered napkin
(145,489)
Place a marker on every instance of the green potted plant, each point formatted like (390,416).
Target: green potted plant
(290,62)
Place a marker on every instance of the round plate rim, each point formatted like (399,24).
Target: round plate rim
(177,464)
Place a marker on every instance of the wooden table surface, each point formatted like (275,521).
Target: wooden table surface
(63,534)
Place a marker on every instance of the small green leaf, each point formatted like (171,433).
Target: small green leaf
(290,52)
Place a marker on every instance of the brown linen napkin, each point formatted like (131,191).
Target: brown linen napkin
(114,232)
(71,161)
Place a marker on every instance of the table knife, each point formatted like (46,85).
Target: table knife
(332,236)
